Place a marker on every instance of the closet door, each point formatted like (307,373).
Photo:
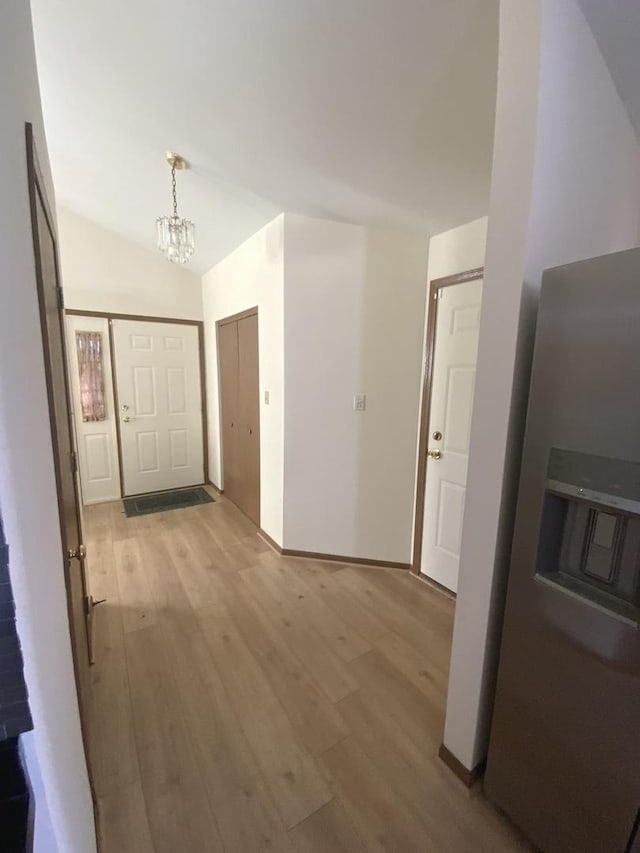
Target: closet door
(229,375)
(249,416)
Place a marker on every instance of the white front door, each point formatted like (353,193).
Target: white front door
(453,380)
(157,367)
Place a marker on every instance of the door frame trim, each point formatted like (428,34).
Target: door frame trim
(435,285)
(109,316)
(241,315)
(36,189)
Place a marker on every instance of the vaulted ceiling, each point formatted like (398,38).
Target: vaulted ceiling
(370,111)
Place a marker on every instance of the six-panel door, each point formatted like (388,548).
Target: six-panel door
(157,367)
(454,373)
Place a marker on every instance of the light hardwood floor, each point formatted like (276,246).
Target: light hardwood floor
(245,702)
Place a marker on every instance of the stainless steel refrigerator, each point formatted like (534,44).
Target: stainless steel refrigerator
(564,754)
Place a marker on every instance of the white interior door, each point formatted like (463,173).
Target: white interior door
(157,367)
(96,440)
(453,381)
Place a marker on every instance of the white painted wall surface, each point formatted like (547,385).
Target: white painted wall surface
(354,309)
(458,250)
(252,275)
(27,481)
(44,838)
(105,272)
(566,184)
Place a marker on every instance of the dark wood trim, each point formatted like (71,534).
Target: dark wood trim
(203,401)
(425,409)
(469,777)
(146,318)
(458,278)
(422,578)
(233,318)
(332,558)
(36,193)
(277,548)
(337,558)
(143,318)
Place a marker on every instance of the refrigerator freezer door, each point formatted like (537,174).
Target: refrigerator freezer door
(564,755)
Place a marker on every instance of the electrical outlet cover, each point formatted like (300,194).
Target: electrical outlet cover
(360,402)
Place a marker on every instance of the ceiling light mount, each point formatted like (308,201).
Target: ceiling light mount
(176,161)
(176,236)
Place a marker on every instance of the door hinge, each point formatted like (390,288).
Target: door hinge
(60,294)
(438,293)
(78,553)
(74,462)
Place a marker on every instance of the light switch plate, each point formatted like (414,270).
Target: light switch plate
(359,402)
(267,398)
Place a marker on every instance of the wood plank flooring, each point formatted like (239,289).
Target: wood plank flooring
(245,702)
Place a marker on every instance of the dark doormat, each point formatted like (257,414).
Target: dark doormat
(162,501)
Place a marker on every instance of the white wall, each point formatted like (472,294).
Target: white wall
(354,309)
(252,275)
(341,312)
(28,502)
(566,185)
(458,250)
(44,836)
(102,271)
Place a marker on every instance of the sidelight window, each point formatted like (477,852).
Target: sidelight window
(91,371)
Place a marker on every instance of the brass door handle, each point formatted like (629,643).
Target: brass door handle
(90,602)
(434,454)
(78,553)
(126,419)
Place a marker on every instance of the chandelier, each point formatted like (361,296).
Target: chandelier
(176,236)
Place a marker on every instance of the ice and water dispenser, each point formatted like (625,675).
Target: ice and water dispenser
(590,532)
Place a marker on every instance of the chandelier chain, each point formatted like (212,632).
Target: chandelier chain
(176,237)
(173,191)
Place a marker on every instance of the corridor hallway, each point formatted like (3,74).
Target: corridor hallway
(243,701)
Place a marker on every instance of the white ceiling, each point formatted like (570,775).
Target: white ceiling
(616,27)
(369,111)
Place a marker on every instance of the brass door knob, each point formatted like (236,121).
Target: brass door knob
(126,419)
(434,454)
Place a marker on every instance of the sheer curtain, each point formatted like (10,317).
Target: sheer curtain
(91,370)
